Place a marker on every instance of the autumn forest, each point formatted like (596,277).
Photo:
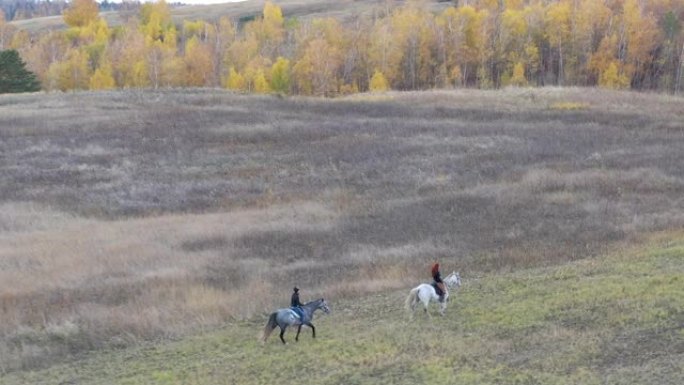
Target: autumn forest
(617,44)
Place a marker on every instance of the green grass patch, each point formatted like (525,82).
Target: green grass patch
(611,320)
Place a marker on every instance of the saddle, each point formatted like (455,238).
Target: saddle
(298,312)
(438,289)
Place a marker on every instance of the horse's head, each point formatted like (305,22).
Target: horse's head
(453,280)
(324,306)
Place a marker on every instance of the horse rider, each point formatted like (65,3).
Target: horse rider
(438,284)
(295,304)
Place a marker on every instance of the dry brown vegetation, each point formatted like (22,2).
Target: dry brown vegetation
(131,216)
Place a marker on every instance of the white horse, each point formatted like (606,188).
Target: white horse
(426,293)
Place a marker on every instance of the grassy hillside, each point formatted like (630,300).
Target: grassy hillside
(238,11)
(611,320)
(131,218)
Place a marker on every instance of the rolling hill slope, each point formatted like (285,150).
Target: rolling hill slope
(239,11)
(144,234)
(616,319)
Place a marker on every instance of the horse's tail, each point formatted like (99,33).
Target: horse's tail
(270,325)
(411,299)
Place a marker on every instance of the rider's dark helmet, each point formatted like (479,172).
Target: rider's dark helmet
(296,289)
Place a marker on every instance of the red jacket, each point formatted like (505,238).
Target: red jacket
(435,269)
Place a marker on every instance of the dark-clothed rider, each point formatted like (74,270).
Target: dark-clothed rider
(294,302)
(296,305)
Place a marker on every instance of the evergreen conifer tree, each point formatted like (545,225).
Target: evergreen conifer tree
(14,77)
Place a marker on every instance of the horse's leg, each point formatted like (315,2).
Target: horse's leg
(426,304)
(299,329)
(313,329)
(282,333)
(416,303)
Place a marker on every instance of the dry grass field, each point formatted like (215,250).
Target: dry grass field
(137,217)
(614,319)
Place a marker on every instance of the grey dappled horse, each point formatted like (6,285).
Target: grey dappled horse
(288,317)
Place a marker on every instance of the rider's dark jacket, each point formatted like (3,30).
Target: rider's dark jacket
(438,279)
(294,302)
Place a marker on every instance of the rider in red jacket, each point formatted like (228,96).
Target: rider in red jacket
(438,284)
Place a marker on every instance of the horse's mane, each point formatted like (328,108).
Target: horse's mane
(316,300)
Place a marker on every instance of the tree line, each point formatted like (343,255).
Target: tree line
(636,44)
(28,9)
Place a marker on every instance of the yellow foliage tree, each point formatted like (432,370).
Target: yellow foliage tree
(464,34)
(199,66)
(518,77)
(226,32)
(139,75)
(456,76)
(242,51)
(480,43)
(273,23)
(81,13)
(260,83)
(71,73)
(640,33)
(155,14)
(591,19)
(194,28)
(316,71)
(280,75)
(603,56)
(413,36)
(514,35)
(102,78)
(235,81)
(611,78)
(129,58)
(95,32)
(174,72)
(164,67)
(558,18)
(267,32)
(378,83)
(20,40)
(157,27)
